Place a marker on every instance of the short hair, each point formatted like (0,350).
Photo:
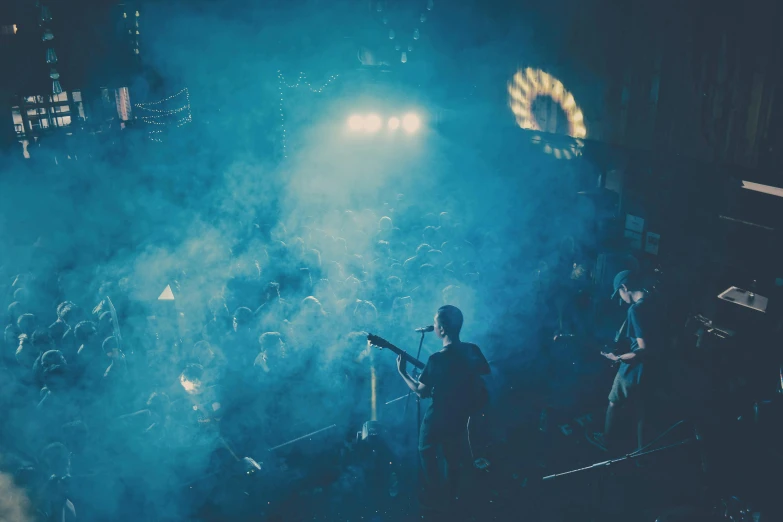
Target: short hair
(28,320)
(55,455)
(15,309)
(41,337)
(202,345)
(385,223)
(273,288)
(66,309)
(110,344)
(21,294)
(450,318)
(270,340)
(243,315)
(11,332)
(423,249)
(84,330)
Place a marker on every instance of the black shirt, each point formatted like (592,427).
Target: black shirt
(452,376)
(645,321)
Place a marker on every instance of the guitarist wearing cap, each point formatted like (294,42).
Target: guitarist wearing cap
(636,372)
(452,378)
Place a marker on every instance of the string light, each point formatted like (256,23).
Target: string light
(164,100)
(300,82)
(157,113)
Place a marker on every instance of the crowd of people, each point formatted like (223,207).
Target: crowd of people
(101,390)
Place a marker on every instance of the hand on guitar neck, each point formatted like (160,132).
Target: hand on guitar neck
(380,342)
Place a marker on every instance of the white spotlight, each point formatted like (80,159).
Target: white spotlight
(355,122)
(394,123)
(372,123)
(411,123)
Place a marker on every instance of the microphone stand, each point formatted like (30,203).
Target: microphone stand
(625,458)
(597,497)
(418,404)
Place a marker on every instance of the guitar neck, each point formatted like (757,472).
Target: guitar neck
(409,358)
(380,342)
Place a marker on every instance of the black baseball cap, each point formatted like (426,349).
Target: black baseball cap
(629,278)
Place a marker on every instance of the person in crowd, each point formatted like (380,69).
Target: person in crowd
(116,380)
(26,353)
(273,310)
(14,312)
(65,314)
(104,325)
(43,345)
(365,317)
(27,323)
(413,263)
(52,499)
(10,342)
(272,354)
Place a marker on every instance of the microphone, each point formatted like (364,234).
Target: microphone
(425,329)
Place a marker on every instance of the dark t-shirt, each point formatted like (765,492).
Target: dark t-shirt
(645,321)
(452,374)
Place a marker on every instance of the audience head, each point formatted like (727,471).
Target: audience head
(67,312)
(272,344)
(159,404)
(111,347)
(422,249)
(42,341)
(27,323)
(191,378)
(15,310)
(22,295)
(84,331)
(243,318)
(385,224)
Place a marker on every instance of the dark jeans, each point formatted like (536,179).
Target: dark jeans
(440,465)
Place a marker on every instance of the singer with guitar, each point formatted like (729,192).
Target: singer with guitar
(452,378)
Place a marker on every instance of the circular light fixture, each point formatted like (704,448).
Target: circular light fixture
(411,123)
(355,122)
(572,151)
(530,84)
(372,123)
(394,123)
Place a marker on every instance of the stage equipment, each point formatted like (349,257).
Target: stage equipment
(372,123)
(745,298)
(356,122)
(411,123)
(530,84)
